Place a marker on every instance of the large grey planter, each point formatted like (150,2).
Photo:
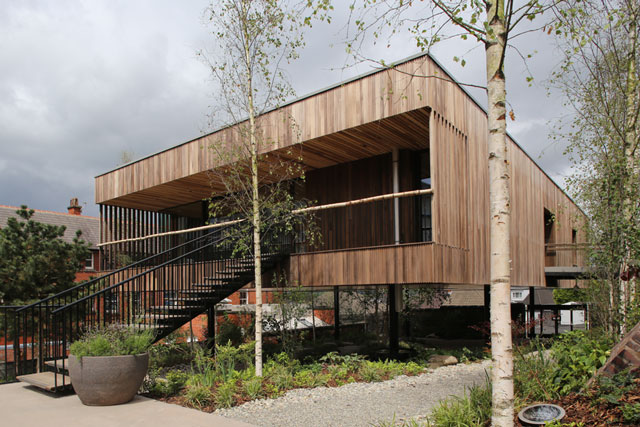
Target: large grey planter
(107,380)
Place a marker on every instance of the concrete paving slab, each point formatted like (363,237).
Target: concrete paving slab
(23,405)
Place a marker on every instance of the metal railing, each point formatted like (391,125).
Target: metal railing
(182,284)
(8,342)
(31,321)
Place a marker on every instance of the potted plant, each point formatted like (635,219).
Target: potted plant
(107,365)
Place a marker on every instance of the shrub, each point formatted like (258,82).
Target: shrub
(197,396)
(609,390)
(229,332)
(225,394)
(253,387)
(281,377)
(412,368)
(112,341)
(534,374)
(338,372)
(172,351)
(474,409)
(272,390)
(305,378)
(172,385)
(578,355)
(369,372)
(351,361)
(229,358)
(391,368)
(631,413)
(203,368)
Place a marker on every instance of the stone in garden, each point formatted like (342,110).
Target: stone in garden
(438,360)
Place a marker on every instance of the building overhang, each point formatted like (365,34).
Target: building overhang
(155,189)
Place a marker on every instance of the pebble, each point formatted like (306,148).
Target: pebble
(362,404)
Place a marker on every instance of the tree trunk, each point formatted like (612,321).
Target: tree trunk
(256,201)
(500,214)
(629,153)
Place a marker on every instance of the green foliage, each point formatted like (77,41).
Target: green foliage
(631,413)
(601,86)
(534,373)
(578,355)
(204,370)
(229,332)
(291,303)
(609,390)
(280,376)
(198,395)
(172,385)
(565,295)
(253,388)
(225,394)
(306,378)
(561,424)
(282,373)
(230,358)
(413,368)
(474,409)
(171,351)
(405,423)
(351,361)
(112,341)
(34,261)
(370,372)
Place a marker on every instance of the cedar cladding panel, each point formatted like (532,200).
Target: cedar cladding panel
(331,126)
(407,263)
(375,97)
(368,224)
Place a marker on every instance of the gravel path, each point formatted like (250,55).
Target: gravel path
(361,404)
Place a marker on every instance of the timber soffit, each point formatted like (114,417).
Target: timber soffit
(353,79)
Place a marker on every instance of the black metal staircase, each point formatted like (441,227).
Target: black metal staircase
(161,292)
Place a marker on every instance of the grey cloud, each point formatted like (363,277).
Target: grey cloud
(82,82)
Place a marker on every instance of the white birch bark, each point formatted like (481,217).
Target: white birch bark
(255,199)
(500,220)
(631,98)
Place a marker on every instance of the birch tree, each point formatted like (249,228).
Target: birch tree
(254,39)
(599,80)
(492,23)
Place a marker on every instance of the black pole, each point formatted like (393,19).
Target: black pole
(211,327)
(393,320)
(532,312)
(336,313)
(487,303)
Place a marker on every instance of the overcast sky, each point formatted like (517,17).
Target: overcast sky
(81,82)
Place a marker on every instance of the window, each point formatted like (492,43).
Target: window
(243,298)
(88,263)
(516,295)
(424,203)
(111,302)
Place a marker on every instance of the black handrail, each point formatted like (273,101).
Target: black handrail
(112,273)
(162,297)
(137,276)
(33,323)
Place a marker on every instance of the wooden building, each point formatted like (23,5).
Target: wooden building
(352,134)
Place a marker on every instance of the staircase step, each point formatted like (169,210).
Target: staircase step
(178,311)
(46,380)
(57,364)
(241,267)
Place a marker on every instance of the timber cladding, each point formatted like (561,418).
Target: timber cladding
(347,133)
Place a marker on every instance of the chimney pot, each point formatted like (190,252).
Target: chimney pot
(74,207)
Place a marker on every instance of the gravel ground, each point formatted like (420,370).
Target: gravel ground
(361,404)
